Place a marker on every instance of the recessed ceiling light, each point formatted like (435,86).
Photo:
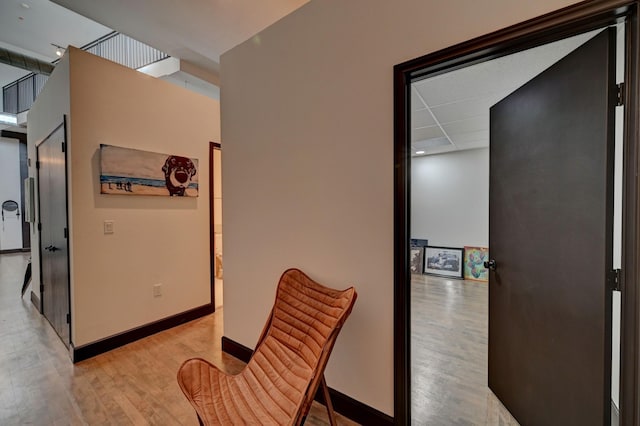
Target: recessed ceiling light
(419,152)
(24,5)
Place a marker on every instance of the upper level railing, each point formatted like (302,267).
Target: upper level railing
(21,94)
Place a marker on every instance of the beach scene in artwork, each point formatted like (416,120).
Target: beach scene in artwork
(128,171)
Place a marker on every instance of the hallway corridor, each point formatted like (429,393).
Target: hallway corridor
(132,385)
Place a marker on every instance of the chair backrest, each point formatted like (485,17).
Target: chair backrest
(306,318)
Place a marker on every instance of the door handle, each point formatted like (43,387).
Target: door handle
(491,264)
(54,248)
(48,248)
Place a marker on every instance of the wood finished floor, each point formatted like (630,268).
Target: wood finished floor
(136,385)
(132,385)
(449,321)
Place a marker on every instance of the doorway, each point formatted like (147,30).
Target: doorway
(54,247)
(215,209)
(14,231)
(437,65)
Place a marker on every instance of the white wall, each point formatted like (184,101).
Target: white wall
(450,198)
(10,188)
(157,239)
(308,162)
(52,104)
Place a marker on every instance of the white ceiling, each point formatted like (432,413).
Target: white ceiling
(195,31)
(30,26)
(451,111)
(198,31)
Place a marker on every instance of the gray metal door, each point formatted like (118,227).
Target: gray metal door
(54,253)
(550,233)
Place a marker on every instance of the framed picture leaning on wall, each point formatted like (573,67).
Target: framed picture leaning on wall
(443,261)
(474,258)
(416,257)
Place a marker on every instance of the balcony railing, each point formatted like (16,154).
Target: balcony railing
(21,94)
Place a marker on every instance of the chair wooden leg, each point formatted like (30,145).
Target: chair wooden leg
(327,400)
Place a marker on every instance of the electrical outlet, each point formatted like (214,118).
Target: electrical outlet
(157,290)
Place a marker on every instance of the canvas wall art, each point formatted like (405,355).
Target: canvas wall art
(128,171)
(416,257)
(474,258)
(443,261)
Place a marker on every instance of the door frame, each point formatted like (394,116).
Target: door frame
(62,125)
(213,146)
(572,20)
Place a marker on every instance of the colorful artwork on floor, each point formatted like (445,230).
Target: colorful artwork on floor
(474,258)
(128,171)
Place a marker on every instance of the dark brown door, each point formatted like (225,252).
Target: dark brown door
(550,233)
(52,185)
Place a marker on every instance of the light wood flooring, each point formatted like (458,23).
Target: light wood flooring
(449,322)
(132,385)
(136,384)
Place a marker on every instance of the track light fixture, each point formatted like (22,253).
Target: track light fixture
(59,49)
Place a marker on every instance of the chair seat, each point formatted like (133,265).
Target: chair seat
(278,384)
(268,392)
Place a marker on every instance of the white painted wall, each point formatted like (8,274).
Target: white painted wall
(157,239)
(450,198)
(10,188)
(308,163)
(52,104)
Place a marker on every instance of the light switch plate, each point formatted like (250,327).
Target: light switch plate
(109,227)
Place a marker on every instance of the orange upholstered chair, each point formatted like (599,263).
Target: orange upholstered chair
(278,384)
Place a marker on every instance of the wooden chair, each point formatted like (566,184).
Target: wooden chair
(278,384)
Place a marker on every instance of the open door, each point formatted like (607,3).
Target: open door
(550,236)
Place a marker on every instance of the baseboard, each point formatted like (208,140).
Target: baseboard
(101,346)
(236,349)
(36,301)
(343,404)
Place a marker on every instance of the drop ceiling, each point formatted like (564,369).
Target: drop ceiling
(450,112)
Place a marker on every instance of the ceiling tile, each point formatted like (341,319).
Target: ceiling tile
(430,143)
(416,102)
(426,133)
(464,110)
(422,118)
(463,139)
(473,124)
